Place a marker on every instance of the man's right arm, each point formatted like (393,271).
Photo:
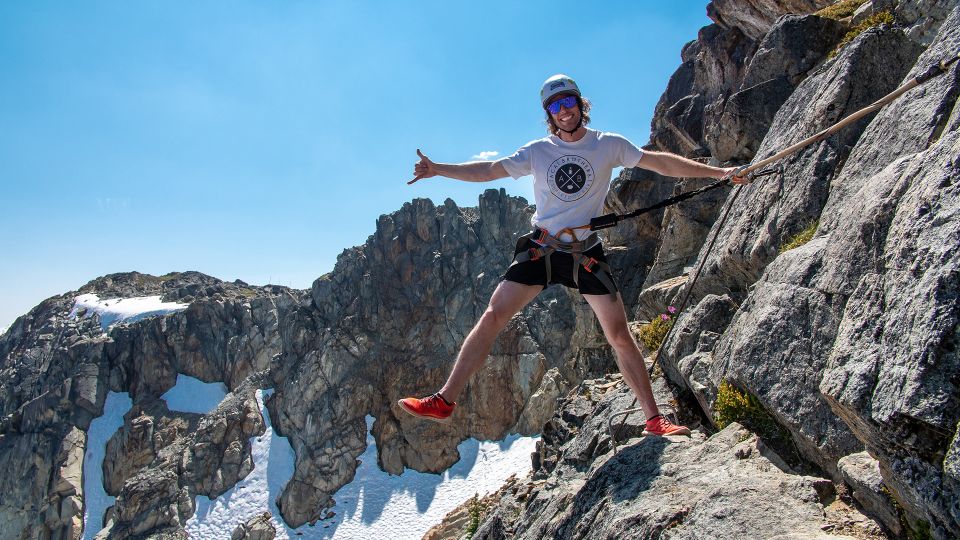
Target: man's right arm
(473,171)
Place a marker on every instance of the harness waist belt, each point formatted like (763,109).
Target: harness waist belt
(544,238)
(548,244)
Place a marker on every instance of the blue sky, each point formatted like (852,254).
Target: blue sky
(257,141)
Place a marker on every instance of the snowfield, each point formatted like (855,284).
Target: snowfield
(118,310)
(378,505)
(101,429)
(374,505)
(194,396)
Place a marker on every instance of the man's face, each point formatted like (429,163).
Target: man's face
(566,118)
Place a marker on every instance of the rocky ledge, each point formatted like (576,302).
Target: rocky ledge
(724,484)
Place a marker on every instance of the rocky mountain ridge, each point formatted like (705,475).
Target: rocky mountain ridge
(848,343)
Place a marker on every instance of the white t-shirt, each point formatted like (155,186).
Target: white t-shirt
(571,179)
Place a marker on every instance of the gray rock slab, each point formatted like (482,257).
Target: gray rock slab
(698,487)
(755,17)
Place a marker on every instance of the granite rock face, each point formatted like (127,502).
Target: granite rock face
(771,211)
(849,341)
(784,57)
(795,346)
(718,107)
(631,246)
(159,496)
(148,429)
(921,19)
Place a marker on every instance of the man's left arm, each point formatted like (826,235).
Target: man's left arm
(669,164)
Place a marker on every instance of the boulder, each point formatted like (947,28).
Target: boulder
(862,473)
(923,18)
(148,428)
(755,17)
(258,527)
(786,54)
(692,340)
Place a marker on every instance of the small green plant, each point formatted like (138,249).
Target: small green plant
(841,9)
(883,17)
(652,333)
(730,406)
(475,509)
(801,237)
(735,405)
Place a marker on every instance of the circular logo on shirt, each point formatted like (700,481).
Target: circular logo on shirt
(570,178)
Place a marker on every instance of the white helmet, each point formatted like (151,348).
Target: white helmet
(558,84)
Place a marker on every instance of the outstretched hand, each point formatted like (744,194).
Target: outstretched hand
(423,169)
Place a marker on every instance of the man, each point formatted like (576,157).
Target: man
(571,172)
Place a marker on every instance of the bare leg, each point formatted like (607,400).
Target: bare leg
(508,299)
(613,320)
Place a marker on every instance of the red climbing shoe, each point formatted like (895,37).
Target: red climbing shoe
(431,407)
(659,425)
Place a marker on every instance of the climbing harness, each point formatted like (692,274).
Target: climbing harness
(750,172)
(546,244)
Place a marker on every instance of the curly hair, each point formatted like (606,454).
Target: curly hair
(584,105)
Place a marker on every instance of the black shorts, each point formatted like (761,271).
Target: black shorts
(561,270)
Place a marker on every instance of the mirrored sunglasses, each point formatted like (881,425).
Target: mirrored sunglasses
(567,102)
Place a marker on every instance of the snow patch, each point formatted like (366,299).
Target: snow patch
(101,429)
(375,504)
(273,460)
(378,505)
(3,330)
(194,396)
(117,310)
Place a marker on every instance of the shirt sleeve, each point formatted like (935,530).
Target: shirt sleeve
(628,154)
(520,163)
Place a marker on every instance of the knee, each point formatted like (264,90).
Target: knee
(495,317)
(621,338)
